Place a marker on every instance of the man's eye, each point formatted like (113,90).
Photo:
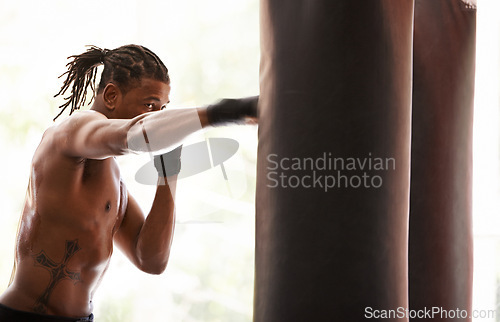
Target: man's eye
(150,106)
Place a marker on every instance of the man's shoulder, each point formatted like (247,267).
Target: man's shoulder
(58,133)
(78,118)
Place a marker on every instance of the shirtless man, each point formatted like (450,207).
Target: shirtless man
(77,206)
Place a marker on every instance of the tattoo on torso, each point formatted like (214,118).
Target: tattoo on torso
(58,272)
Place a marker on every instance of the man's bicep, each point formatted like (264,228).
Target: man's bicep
(127,234)
(91,135)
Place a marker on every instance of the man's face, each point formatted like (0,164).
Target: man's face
(151,95)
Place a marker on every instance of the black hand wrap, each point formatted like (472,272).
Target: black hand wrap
(232,110)
(168,164)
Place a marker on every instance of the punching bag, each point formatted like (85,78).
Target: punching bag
(337,89)
(440,248)
(333,165)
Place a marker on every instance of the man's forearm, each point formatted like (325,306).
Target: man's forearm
(166,129)
(155,238)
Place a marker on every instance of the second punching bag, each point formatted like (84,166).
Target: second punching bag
(440,251)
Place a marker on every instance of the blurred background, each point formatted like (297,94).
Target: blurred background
(212,50)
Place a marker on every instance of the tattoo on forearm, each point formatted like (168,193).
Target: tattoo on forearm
(58,272)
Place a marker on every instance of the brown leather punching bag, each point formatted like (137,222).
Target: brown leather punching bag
(440,251)
(333,164)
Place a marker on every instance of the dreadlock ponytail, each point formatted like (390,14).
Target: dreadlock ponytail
(81,73)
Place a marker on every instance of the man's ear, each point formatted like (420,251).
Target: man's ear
(111,96)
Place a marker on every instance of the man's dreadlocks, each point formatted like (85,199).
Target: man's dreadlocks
(125,66)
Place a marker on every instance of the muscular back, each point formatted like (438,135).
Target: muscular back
(73,208)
